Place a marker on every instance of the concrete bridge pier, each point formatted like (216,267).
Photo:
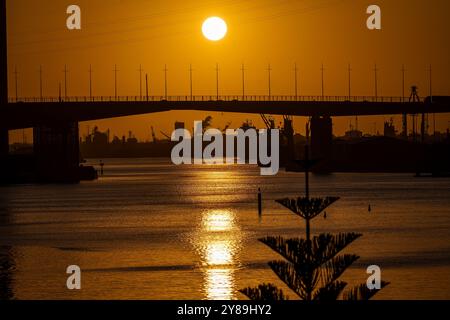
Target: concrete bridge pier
(289,135)
(4,140)
(4,143)
(57,154)
(322,142)
(4,150)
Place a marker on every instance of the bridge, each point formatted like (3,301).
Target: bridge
(55,120)
(32,112)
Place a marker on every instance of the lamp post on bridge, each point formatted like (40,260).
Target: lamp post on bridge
(375,70)
(403,82)
(115,81)
(16,81)
(40,83)
(323,84)
(146,86)
(65,71)
(404,116)
(243,81)
(430,78)
(217,80)
(140,81)
(296,81)
(191,82)
(349,70)
(269,70)
(165,81)
(90,82)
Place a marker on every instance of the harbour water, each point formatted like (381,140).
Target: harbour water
(151,230)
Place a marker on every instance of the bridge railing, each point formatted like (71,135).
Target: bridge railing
(181,98)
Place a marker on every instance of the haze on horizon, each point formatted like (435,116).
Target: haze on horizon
(155,33)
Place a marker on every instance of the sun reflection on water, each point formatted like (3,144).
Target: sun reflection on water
(215,221)
(218,242)
(218,253)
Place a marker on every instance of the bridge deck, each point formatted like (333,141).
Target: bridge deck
(195,98)
(30,112)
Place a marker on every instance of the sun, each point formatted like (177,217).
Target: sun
(214,28)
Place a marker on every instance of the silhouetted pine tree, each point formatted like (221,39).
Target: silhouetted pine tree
(311,267)
(314,265)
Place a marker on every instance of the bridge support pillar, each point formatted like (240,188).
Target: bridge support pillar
(4,143)
(405,126)
(289,135)
(56,149)
(4,150)
(322,142)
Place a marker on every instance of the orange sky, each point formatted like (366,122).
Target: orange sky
(279,32)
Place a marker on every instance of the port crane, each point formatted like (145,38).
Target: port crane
(165,135)
(268,121)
